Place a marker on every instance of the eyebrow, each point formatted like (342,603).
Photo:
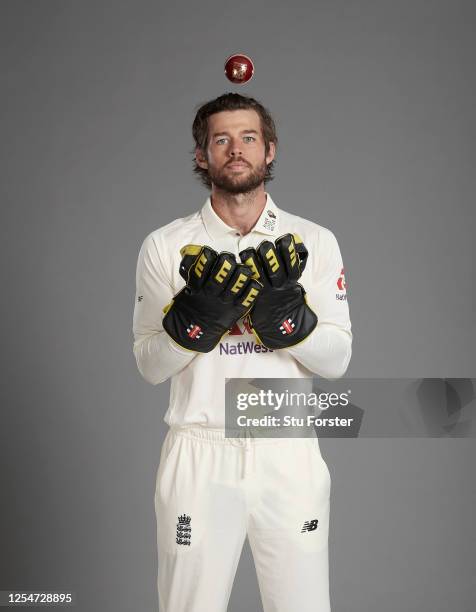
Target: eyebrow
(227,134)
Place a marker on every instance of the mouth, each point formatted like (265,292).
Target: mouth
(237,165)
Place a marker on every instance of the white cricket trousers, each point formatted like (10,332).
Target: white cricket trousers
(212,491)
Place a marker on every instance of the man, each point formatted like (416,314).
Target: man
(211,290)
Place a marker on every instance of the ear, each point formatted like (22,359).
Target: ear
(271,153)
(201,159)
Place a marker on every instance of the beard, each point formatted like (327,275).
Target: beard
(242,182)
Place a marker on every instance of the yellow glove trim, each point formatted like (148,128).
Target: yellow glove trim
(166,309)
(190,249)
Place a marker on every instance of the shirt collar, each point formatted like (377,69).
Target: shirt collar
(216,228)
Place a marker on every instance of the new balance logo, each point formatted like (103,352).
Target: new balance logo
(194,331)
(309,525)
(287,327)
(184,530)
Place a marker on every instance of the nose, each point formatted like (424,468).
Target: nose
(235,148)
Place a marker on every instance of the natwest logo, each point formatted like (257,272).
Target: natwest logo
(341,284)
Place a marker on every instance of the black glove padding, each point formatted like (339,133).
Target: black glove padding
(280,316)
(219,291)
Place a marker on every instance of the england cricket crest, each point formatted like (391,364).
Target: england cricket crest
(184,530)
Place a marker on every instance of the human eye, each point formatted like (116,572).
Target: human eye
(249,138)
(220,140)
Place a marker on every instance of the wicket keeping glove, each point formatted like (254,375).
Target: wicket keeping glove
(280,316)
(218,292)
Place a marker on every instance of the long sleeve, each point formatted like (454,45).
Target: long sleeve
(328,349)
(157,356)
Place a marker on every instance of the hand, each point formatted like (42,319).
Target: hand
(218,292)
(280,316)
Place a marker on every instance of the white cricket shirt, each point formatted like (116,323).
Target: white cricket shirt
(198,379)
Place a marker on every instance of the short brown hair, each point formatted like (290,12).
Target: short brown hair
(230,102)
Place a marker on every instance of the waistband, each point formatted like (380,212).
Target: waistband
(219,436)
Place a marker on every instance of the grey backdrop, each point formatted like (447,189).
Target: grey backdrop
(374,102)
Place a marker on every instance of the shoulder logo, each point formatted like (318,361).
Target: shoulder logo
(310,525)
(341,284)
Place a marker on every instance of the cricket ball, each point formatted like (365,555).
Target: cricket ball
(239,68)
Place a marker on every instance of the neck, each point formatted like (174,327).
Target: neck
(239,210)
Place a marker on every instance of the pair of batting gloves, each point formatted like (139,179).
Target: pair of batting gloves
(219,291)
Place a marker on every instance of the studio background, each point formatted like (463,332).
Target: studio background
(374,104)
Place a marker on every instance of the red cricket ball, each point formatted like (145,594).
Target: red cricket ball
(239,68)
